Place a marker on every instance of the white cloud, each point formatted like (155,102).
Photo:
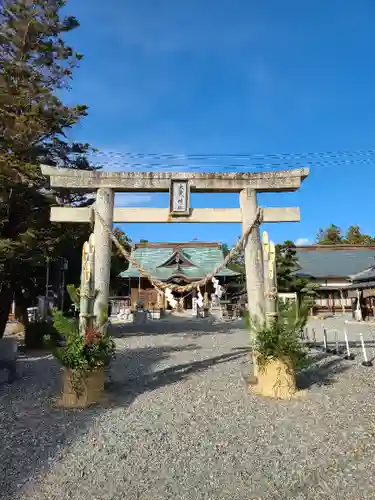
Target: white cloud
(132,199)
(302,241)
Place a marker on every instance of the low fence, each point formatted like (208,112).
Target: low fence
(337,304)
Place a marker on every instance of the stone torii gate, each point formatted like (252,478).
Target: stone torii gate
(179,185)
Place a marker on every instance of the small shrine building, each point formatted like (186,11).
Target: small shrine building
(179,263)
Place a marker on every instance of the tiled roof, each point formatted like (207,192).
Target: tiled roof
(366,275)
(360,285)
(205,259)
(325,261)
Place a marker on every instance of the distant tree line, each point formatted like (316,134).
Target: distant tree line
(334,235)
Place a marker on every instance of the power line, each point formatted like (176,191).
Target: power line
(230,162)
(234,167)
(190,156)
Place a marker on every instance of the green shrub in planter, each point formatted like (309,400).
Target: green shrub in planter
(281,339)
(82,354)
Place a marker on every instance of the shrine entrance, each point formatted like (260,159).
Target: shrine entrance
(179,185)
(185,300)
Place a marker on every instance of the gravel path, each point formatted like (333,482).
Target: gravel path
(181,426)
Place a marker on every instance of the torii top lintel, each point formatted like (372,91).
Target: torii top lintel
(214,182)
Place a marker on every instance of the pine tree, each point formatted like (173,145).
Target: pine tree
(355,237)
(286,263)
(119,263)
(330,236)
(36,64)
(333,235)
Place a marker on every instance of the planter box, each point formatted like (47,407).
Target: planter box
(277,379)
(91,391)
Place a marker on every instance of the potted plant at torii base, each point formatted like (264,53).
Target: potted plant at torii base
(279,353)
(83,358)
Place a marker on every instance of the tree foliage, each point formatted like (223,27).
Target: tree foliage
(237,264)
(287,280)
(119,263)
(333,235)
(286,263)
(36,65)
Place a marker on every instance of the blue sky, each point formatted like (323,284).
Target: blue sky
(239,77)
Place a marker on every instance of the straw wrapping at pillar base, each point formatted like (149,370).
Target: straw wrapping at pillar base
(276,379)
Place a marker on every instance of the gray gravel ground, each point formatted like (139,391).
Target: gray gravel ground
(181,426)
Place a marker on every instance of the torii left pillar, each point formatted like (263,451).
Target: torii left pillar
(104,205)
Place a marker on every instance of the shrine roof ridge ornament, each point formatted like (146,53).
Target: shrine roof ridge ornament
(87,180)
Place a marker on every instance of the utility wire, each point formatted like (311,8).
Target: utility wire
(230,162)
(370,152)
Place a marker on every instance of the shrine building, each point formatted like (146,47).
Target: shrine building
(179,263)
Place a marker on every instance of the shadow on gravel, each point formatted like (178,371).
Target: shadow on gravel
(137,384)
(33,430)
(323,370)
(180,328)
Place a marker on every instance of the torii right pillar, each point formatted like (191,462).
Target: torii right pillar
(253,252)
(253,258)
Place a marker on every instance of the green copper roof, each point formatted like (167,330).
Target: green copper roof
(334,262)
(204,259)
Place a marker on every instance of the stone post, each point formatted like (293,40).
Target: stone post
(91,302)
(273,274)
(269,278)
(87,291)
(253,266)
(104,205)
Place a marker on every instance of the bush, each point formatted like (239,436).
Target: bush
(282,338)
(86,352)
(280,341)
(82,353)
(35,333)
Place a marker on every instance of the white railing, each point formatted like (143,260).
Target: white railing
(337,303)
